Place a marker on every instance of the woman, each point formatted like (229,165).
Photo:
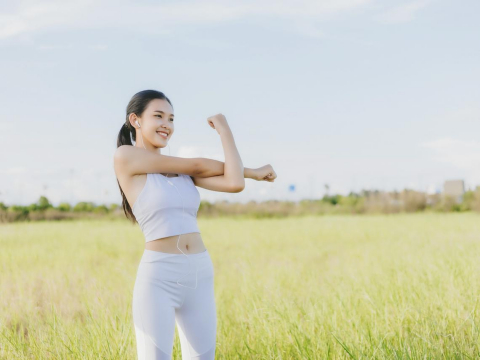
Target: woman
(174,281)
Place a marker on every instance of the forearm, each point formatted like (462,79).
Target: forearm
(210,167)
(248,173)
(233,168)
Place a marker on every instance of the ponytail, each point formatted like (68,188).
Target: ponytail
(124,138)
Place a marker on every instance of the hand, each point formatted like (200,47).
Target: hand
(265,173)
(217,122)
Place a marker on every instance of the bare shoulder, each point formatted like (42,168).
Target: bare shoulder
(123,152)
(131,184)
(123,158)
(120,159)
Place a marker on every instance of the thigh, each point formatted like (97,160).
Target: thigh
(197,321)
(153,308)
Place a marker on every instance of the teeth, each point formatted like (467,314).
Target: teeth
(163,134)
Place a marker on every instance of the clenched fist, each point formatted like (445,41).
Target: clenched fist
(218,122)
(265,173)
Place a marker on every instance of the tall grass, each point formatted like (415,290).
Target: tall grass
(329,287)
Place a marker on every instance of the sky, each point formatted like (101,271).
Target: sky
(353,94)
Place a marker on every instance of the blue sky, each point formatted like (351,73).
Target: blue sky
(356,94)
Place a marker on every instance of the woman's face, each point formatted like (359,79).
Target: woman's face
(156,120)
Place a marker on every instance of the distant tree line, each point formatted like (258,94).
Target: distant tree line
(364,202)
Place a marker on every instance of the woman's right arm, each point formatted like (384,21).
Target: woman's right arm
(132,160)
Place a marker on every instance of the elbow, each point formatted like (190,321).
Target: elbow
(236,188)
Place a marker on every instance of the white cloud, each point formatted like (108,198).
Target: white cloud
(462,154)
(33,16)
(196,151)
(15,170)
(403,13)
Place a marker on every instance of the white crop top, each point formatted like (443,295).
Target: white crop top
(158,207)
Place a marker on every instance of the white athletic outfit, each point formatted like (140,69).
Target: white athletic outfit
(172,288)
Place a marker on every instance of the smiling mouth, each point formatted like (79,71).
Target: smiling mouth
(162,134)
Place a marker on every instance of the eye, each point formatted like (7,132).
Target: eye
(161,116)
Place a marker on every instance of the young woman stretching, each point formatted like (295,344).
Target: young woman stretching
(174,283)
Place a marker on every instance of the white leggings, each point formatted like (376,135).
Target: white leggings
(159,302)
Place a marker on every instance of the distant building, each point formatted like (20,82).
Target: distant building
(455,188)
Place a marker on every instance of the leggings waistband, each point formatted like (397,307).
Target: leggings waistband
(166,266)
(152,255)
(161,253)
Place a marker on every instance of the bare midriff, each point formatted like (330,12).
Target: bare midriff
(191,243)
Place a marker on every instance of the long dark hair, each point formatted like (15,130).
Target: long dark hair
(137,105)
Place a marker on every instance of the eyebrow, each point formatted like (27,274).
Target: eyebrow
(160,111)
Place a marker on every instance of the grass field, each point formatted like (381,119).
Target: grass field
(332,287)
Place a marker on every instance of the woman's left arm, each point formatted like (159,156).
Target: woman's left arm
(233,179)
(228,176)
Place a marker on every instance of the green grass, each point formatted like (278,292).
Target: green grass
(334,287)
